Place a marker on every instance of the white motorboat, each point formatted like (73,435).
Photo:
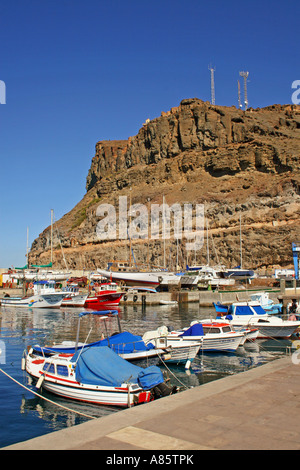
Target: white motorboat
(96,375)
(212,337)
(42,275)
(73,297)
(207,275)
(44,296)
(251,314)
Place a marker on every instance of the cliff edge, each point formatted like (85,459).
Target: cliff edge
(242,165)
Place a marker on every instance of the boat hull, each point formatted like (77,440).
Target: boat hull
(35,301)
(149,279)
(74,301)
(124,395)
(109,396)
(111,299)
(216,344)
(265,330)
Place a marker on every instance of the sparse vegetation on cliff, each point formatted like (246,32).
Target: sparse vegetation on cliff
(233,161)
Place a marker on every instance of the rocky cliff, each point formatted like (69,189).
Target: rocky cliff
(242,165)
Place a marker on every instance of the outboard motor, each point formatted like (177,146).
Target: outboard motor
(163,390)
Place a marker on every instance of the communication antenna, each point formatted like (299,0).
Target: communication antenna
(239,94)
(212,83)
(245,76)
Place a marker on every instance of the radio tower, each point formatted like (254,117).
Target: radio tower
(239,95)
(245,76)
(212,83)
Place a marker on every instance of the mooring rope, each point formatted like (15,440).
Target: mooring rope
(160,357)
(44,398)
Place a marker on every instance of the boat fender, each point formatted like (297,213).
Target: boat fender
(125,297)
(23,360)
(40,381)
(167,357)
(135,297)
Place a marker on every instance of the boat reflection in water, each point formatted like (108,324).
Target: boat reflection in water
(25,416)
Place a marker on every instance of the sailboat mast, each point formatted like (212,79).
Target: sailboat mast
(241,248)
(51,241)
(207,242)
(27,247)
(164,231)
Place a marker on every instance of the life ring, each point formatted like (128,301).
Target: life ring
(135,297)
(30,286)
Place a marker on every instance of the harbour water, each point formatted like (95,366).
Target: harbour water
(25,415)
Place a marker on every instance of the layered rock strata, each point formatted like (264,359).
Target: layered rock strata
(243,166)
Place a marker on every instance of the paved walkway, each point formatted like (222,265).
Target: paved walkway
(256,409)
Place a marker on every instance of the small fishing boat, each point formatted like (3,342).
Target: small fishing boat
(213,337)
(44,296)
(251,314)
(106,295)
(73,297)
(96,375)
(216,337)
(262,298)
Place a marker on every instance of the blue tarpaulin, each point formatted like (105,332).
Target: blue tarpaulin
(194,330)
(125,343)
(150,377)
(259,310)
(101,366)
(246,310)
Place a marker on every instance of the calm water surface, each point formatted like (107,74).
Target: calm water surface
(24,415)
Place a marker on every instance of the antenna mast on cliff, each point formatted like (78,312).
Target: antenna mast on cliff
(245,76)
(239,95)
(212,83)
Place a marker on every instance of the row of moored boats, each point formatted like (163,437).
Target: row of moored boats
(105,372)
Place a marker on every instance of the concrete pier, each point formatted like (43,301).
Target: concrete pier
(257,409)
(204,298)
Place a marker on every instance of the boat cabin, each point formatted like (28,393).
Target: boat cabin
(44,287)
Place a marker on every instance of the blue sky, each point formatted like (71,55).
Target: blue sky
(77,72)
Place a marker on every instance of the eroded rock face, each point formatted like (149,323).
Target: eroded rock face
(234,162)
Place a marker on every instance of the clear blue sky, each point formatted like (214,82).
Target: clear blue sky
(77,72)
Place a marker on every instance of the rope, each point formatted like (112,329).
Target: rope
(171,371)
(44,398)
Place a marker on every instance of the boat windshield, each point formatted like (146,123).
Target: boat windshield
(211,329)
(259,310)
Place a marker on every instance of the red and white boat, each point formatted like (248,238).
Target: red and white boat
(96,375)
(106,295)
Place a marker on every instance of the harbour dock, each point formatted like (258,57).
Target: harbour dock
(252,410)
(204,298)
